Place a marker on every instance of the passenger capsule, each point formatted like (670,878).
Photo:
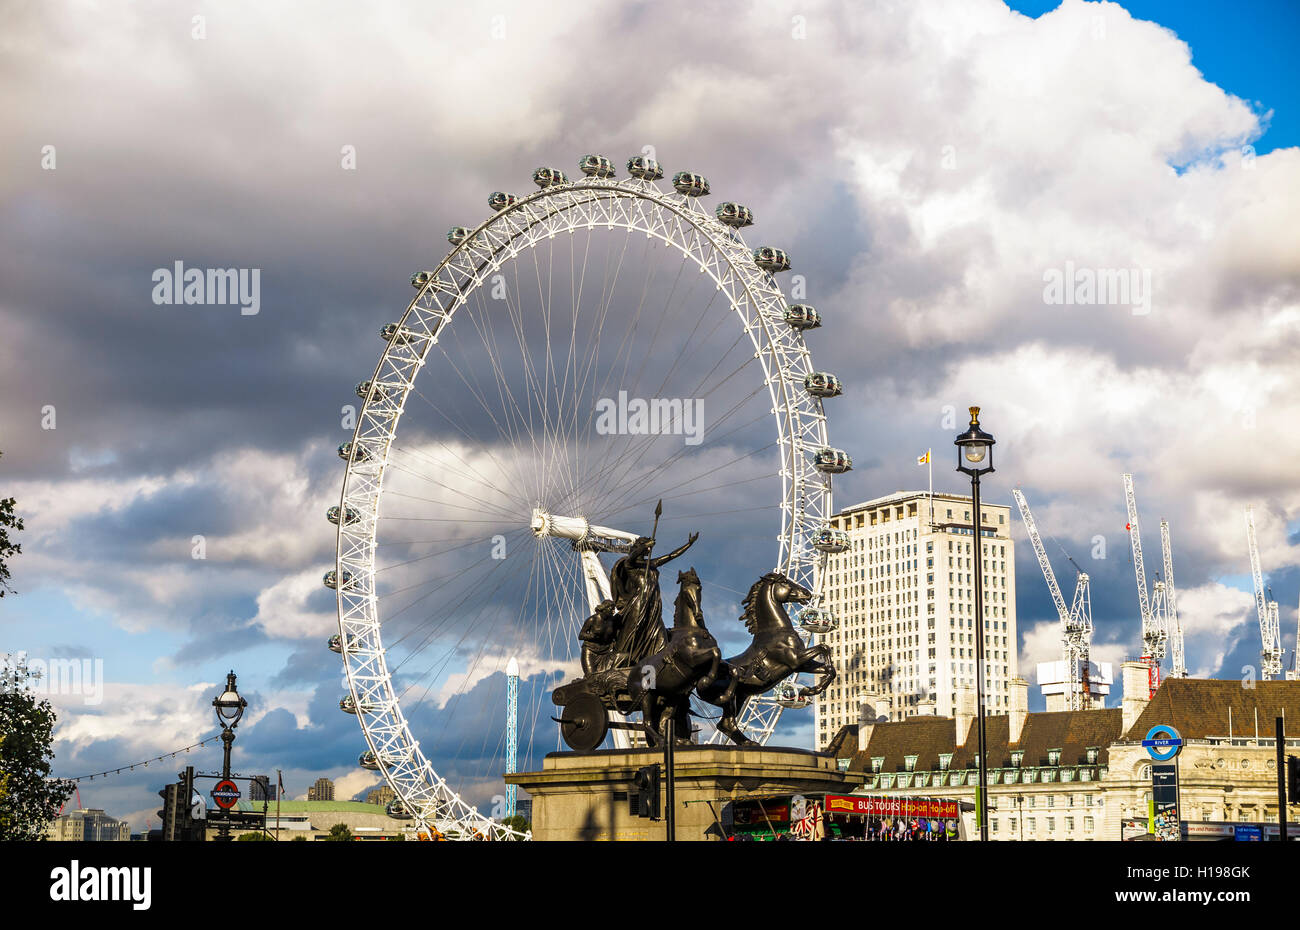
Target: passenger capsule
(647,169)
(420,279)
(802,316)
(354,453)
(771,260)
(391,333)
(381,391)
(397,810)
(734,214)
(336,643)
(500,200)
(457,234)
(691,184)
(787,695)
(331,580)
(823,384)
(349,706)
(334,513)
(817,620)
(549,177)
(828,539)
(832,461)
(367,760)
(597,166)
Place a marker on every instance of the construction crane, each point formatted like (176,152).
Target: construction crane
(1270,655)
(1294,674)
(1173,625)
(1076,620)
(1154,634)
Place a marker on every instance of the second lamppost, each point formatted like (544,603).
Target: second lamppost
(975,458)
(230,707)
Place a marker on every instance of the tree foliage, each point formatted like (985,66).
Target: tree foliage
(339,831)
(9,520)
(517,822)
(30,798)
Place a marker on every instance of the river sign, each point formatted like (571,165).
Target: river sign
(1162,742)
(226,793)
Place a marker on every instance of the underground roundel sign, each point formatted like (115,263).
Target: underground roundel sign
(226,793)
(1162,742)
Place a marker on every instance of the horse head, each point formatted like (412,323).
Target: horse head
(764,610)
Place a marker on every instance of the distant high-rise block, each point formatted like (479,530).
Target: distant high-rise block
(904,597)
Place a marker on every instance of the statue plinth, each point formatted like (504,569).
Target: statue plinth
(584,795)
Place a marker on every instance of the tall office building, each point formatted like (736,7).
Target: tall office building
(261,789)
(322,790)
(904,595)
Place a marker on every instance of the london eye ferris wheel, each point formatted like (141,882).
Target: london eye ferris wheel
(587,350)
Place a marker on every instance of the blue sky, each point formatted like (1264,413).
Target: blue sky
(1245,48)
(922,216)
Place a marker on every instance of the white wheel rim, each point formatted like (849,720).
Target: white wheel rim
(628,204)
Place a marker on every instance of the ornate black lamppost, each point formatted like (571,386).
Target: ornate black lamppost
(230,707)
(975,458)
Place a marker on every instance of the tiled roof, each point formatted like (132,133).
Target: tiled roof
(1200,707)
(1196,707)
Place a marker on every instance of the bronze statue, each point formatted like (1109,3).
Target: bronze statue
(631,662)
(690,660)
(777,652)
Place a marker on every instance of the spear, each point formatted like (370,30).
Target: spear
(659,512)
(645,593)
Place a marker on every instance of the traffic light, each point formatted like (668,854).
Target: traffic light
(646,783)
(1293,779)
(170,813)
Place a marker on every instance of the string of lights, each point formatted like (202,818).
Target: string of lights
(132,767)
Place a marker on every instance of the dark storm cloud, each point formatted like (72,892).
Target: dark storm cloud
(215,152)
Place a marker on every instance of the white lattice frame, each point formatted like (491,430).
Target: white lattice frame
(630,204)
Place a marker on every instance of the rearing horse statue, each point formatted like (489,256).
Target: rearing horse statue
(777,652)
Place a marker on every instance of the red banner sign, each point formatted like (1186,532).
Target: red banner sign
(929,808)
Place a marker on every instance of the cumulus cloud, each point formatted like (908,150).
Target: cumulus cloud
(927,164)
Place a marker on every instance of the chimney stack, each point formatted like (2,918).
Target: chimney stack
(1018,696)
(867,714)
(1135,676)
(964,713)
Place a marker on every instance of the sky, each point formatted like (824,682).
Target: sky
(930,166)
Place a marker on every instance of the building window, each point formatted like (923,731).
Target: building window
(1087,824)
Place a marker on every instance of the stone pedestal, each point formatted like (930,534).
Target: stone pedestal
(584,795)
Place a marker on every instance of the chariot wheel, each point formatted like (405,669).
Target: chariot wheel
(588,349)
(586,721)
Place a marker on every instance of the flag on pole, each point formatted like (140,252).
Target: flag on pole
(923,459)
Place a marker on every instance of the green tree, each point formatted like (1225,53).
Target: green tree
(9,520)
(339,831)
(31,798)
(255,838)
(517,822)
